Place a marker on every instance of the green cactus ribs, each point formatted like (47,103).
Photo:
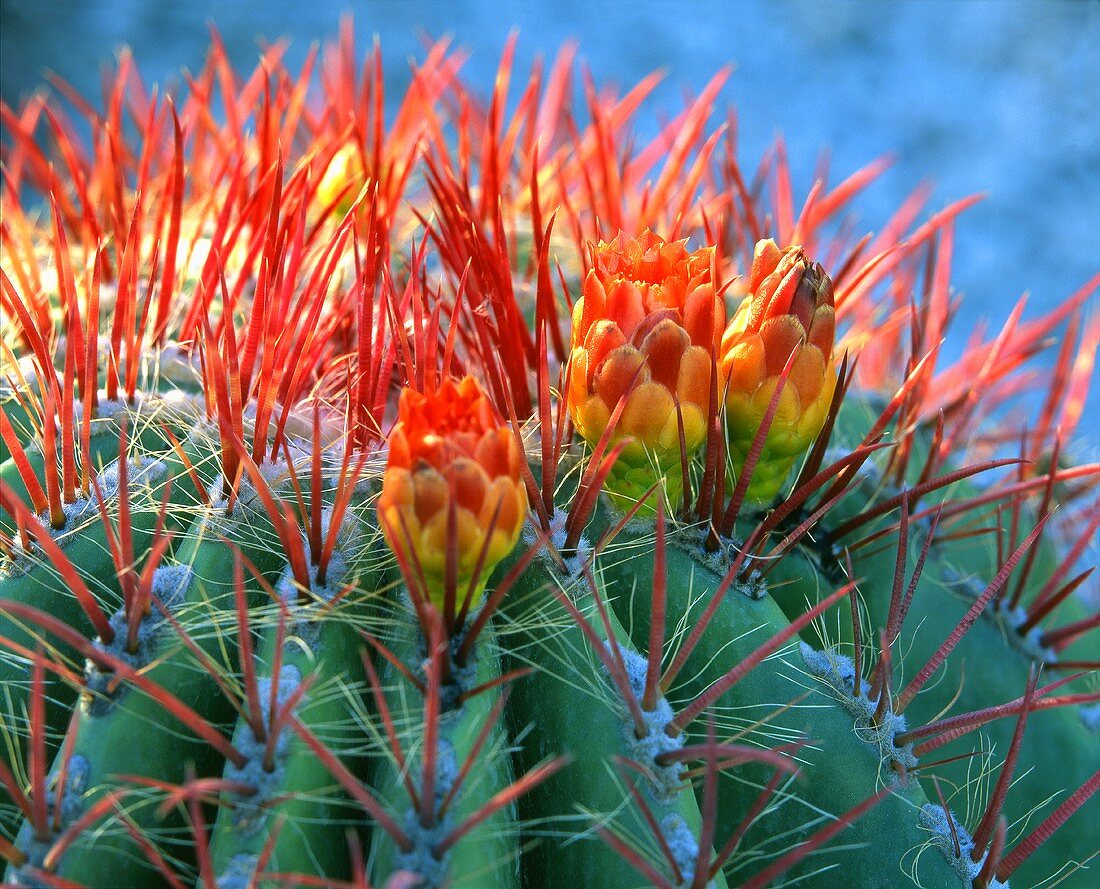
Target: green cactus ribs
(412,488)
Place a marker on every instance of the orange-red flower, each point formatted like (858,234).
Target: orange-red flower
(453,465)
(649,323)
(789,309)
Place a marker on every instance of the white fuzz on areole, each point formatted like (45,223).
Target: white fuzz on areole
(462,677)
(348,537)
(574,562)
(684,847)
(838,671)
(250,812)
(239,873)
(72,807)
(169,587)
(934,819)
(665,781)
(83,510)
(1009,620)
(421,858)
(752,584)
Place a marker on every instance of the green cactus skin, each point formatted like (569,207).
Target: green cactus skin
(1060,751)
(36,582)
(986,668)
(322,643)
(311,808)
(544,710)
(568,680)
(105,734)
(544,699)
(489,855)
(885,845)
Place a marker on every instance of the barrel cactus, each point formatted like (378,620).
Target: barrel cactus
(445,490)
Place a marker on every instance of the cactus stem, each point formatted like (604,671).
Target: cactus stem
(689,858)
(943,730)
(956,845)
(787,861)
(352,785)
(500,800)
(967,621)
(610,654)
(634,859)
(697,631)
(1027,846)
(986,827)
(624,766)
(720,686)
(481,618)
(88,602)
(107,661)
(751,814)
(149,849)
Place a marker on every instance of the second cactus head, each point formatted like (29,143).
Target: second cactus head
(788,311)
(452,491)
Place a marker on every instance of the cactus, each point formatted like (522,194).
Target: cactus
(379,511)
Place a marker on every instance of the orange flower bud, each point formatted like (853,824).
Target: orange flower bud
(649,317)
(451,448)
(789,309)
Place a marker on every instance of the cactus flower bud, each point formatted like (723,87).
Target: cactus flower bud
(649,318)
(789,309)
(450,448)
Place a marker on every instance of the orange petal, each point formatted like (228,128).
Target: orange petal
(781,336)
(647,411)
(808,373)
(693,383)
(469,483)
(663,348)
(621,368)
(431,492)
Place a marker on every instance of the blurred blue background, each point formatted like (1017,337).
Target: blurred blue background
(996,96)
